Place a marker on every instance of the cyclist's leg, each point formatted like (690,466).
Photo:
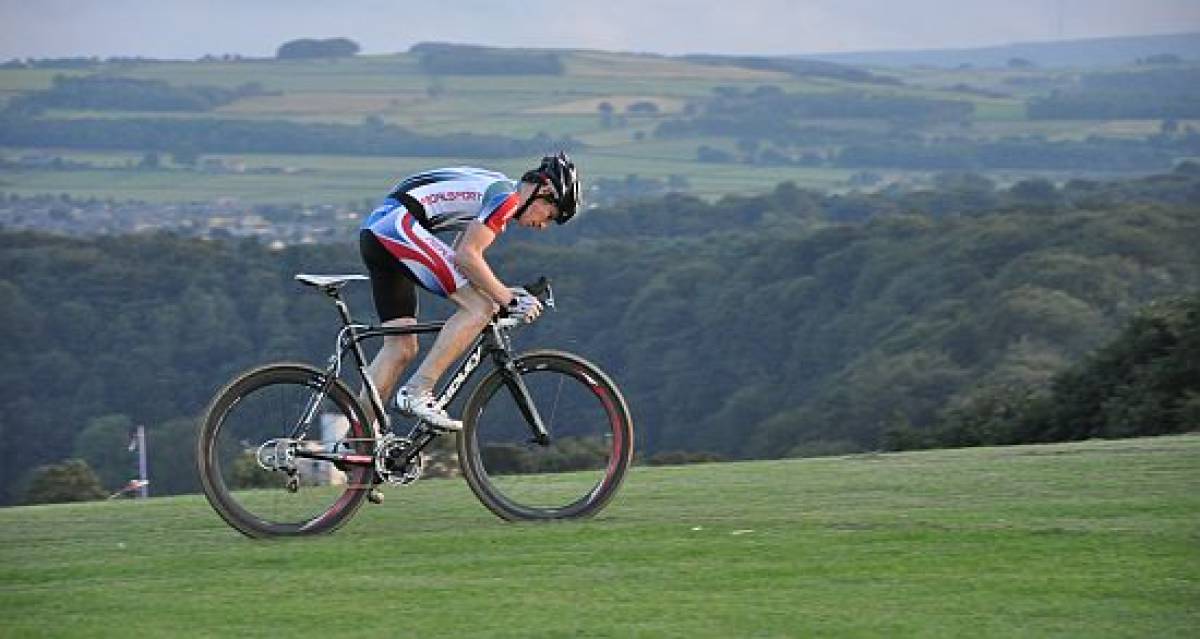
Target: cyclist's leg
(389,363)
(430,263)
(395,298)
(474,311)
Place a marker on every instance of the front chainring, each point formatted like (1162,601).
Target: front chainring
(393,463)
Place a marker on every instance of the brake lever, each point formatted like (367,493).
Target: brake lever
(542,290)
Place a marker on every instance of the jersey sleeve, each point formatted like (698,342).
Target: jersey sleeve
(499,205)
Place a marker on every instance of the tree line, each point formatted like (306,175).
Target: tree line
(108,93)
(1029,152)
(1156,93)
(308,48)
(912,152)
(436,58)
(797,67)
(773,127)
(768,111)
(785,324)
(192,136)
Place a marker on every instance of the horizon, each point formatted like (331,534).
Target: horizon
(191,29)
(813,54)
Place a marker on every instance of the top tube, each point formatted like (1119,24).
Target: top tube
(405,329)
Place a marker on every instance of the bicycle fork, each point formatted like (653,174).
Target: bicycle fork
(520,393)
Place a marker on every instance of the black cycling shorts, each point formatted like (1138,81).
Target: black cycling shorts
(392,285)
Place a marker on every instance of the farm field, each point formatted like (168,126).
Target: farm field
(337,179)
(393,89)
(1091,539)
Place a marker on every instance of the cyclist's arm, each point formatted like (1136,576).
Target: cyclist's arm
(468,257)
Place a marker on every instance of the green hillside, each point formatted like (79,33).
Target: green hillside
(625,114)
(1094,539)
(395,90)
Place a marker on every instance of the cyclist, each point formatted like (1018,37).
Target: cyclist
(400,251)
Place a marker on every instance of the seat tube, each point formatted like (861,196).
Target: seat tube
(360,359)
(352,333)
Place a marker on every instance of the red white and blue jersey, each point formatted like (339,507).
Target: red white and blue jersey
(449,199)
(435,201)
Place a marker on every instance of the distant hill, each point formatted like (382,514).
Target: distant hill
(707,125)
(1090,53)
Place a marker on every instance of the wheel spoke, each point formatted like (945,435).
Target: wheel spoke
(577,472)
(252,460)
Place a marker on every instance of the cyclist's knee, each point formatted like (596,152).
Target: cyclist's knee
(401,347)
(476,306)
(477,316)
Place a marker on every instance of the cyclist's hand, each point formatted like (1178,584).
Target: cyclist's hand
(524,305)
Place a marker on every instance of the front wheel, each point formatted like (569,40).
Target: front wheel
(267,447)
(590,448)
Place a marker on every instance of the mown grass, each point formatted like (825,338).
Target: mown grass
(1095,539)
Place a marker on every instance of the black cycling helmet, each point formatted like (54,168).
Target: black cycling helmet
(558,171)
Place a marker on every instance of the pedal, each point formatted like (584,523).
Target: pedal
(433,429)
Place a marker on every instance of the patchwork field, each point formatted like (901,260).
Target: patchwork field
(393,89)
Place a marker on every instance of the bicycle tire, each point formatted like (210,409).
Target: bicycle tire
(507,472)
(280,390)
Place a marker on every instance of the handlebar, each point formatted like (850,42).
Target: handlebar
(540,289)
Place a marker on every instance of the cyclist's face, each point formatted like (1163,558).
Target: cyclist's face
(539,215)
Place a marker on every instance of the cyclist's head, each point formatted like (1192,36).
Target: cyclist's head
(558,173)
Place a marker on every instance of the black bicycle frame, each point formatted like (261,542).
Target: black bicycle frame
(492,341)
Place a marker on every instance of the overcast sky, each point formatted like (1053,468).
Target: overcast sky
(192,28)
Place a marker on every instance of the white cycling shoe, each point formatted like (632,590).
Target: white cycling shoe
(423,407)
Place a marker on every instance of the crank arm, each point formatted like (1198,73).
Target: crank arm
(340,460)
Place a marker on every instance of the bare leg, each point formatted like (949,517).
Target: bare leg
(474,311)
(391,360)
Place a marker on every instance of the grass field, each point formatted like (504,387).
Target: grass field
(1096,539)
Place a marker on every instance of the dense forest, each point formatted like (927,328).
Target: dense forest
(1144,382)
(791,323)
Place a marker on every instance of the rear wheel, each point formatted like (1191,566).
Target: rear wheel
(254,450)
(590,448)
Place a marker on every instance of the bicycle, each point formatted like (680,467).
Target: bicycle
(288,449)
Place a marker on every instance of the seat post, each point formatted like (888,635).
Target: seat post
(343,309)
